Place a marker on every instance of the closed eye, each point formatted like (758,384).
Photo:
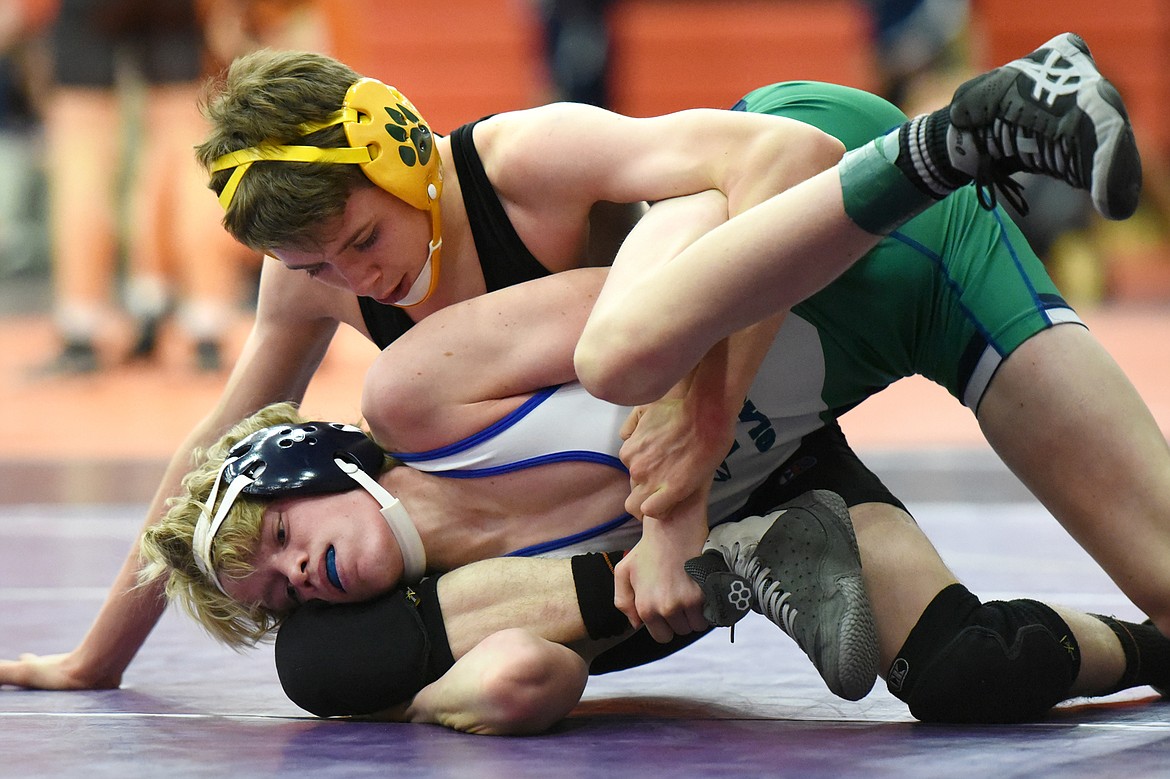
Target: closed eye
(368,241)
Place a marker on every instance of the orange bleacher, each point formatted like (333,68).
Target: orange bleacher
(461,59)
(1130,41)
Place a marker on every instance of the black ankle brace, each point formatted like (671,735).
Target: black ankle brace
(1147,654)
(593,578)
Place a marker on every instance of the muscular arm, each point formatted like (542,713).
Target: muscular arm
(510,624)
(763,261)
(675,444)
(283,350)
(517,659)
(550,165)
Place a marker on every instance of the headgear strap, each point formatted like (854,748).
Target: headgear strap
(398,155)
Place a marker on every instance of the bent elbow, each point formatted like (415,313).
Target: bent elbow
(825,150)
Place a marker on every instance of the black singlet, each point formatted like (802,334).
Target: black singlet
(503,257)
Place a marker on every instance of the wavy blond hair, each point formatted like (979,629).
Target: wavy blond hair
(167,547)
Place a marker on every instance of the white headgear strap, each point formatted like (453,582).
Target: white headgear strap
(206,527)
(414,556)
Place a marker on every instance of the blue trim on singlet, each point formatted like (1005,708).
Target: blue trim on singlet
(577,456)
(953,285)
(1041,306)
(498,427)
(490,431)
(584,535)
(1038,303)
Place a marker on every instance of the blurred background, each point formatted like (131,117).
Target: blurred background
(123,303)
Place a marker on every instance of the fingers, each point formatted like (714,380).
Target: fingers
(17,672)
(660,502)
(664,625)
(663,620)
(630,423)
(623,595)
(639,494)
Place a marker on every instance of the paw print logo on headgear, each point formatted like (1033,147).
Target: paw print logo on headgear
(402,158)
(391,142)
(416,143)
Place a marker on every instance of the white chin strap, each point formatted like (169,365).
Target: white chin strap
(424,283)
(414,556)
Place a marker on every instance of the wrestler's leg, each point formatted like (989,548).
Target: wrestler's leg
(1065,419)
(637,346)
(893,545)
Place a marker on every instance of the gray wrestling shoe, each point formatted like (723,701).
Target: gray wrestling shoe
(1053,113)
(727,596)
(804,570)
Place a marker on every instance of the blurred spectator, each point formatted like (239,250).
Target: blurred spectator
(919,43)
(576,45)
(23,72)
(236,27)
(122,119)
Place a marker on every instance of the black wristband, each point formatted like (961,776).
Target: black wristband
(593,578)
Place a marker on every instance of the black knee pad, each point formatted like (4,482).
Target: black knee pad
(1003,661)
(347,659)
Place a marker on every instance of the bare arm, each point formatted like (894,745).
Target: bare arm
(520,647)
(511,683)
(757,264)
(550,165)
(284,348)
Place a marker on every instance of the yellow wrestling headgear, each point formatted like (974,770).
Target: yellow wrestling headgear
(394,147)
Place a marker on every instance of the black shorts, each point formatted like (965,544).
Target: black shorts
(161,39)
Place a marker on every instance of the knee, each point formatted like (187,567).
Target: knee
(984,663)
(532,684)
(618,361)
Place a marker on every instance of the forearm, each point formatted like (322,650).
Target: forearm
(534,594)
(716,389)
(130,611)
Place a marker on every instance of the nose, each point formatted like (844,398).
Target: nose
(297,573)
(363,279)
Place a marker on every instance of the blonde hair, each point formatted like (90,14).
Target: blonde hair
(167,547)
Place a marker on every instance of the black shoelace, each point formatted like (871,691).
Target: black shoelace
(1051,158)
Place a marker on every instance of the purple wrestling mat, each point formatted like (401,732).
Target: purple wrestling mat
(189,707)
